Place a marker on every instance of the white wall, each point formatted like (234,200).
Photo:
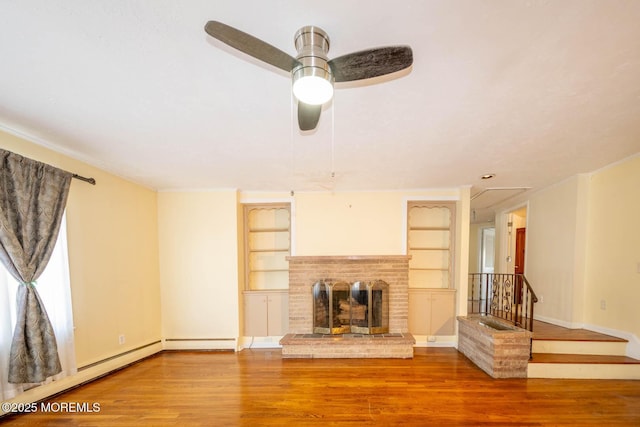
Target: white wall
(475,245)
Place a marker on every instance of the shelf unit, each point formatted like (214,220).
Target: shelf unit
(430,240)
(267,244)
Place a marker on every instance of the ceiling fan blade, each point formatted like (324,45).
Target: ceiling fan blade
(371,63)
(308,115)
(250,45)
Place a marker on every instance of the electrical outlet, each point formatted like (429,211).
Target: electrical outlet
(541,299)
(121,339)
(603,304)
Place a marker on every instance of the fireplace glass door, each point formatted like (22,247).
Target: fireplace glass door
(359,308)
(370,307)
(331,308)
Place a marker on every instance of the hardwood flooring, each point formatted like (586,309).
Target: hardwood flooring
(548,331)
(439,386)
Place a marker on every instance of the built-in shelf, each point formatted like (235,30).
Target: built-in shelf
(430,238)
(267,245)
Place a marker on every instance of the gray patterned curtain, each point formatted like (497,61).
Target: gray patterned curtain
(33,196)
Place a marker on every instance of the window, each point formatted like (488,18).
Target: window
(55,292)
(267,244)
(430,238)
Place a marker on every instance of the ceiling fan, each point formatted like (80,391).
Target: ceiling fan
(313,74)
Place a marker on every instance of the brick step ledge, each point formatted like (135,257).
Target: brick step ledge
(383,346)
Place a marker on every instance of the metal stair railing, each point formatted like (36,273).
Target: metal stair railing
(507,296)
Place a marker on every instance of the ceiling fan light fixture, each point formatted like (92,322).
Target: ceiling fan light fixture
(312,85)
(312,73)
(312,79)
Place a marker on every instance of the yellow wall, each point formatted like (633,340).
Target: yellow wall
(475,245)
(582,249)
(198,233)
(356,223)
(374,223)
(199,246)
(167,265)
(113,257)
(349,223)
(555,249)
(613,248)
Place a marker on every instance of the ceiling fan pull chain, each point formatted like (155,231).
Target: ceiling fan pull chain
(333,137)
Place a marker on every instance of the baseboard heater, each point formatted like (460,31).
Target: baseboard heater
(133,350)
(88,373)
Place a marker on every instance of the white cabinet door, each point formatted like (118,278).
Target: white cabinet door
(255,314)
(266,313)
(277,313)
(443,313)
(432,311)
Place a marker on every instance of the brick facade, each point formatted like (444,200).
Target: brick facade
(500,353)
(304,271)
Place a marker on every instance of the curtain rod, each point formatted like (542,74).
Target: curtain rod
(85,179)
(91,181)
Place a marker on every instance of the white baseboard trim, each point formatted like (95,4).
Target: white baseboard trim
(436,341)
(259,342)
(558,322)
(86,374)
(200,344)
(633,346)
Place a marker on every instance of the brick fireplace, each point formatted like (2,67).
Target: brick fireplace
(305,271)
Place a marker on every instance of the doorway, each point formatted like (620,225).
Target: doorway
(487,250)
(516,222)
(521,234)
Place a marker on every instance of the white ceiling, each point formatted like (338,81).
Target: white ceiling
(533,91)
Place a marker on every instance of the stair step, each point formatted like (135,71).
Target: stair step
(587,366)
(582,358)
(600,347)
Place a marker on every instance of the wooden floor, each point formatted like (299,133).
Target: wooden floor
(439,386)
(548,331)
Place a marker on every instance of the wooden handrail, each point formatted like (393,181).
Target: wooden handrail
(533,294)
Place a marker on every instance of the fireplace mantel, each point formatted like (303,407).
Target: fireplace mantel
(346,258)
